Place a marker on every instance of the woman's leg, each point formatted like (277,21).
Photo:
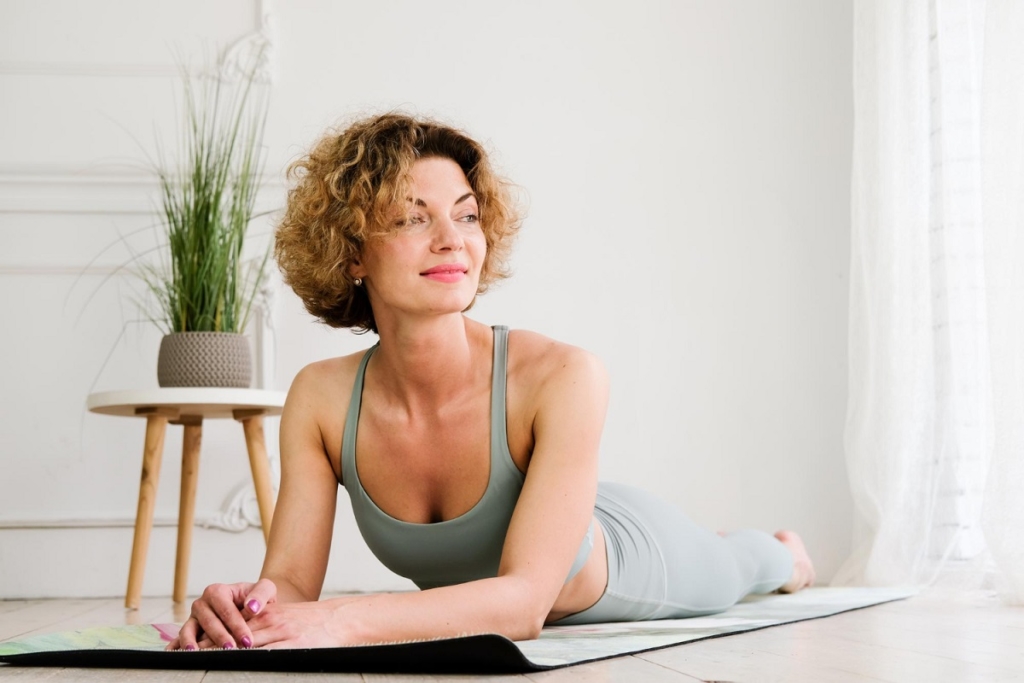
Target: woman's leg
(661,565)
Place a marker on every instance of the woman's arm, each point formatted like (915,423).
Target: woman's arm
(300,535)
(550,520)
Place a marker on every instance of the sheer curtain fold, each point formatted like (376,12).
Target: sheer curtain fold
(1003,180)
(933,441)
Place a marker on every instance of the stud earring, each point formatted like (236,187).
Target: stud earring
(358,281)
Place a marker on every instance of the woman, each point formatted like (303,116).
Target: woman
(469,453)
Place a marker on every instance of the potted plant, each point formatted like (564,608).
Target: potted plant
(205,288)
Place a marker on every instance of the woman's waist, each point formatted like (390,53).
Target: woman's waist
(589,583)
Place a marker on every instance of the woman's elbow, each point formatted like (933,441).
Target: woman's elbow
(530,612)
(532,625)
(525,627)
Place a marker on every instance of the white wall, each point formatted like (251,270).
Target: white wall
(687,166)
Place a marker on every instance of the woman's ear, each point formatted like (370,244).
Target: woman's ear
(355,269)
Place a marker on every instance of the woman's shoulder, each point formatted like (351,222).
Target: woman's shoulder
(538,348)
(331,377)
(318,401)
(538,359)
(545,378)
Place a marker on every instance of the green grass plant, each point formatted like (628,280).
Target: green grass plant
(207,200)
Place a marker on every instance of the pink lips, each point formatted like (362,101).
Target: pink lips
(447,272)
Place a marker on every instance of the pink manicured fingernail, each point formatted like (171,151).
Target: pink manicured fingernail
(229,645)
(190,647)
(253,606)
(246,641)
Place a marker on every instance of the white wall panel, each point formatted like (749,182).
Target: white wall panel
(90,85)
(115,37)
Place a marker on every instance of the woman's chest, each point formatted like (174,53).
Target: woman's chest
(433,467)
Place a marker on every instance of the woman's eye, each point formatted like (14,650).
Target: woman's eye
(411,220)
(471,218)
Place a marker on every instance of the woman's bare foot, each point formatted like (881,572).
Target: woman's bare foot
(803,569)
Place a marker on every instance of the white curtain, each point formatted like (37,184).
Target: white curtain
(935,422)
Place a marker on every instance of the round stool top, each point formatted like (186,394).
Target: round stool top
(207,402)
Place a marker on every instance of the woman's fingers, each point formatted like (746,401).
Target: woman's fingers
(221,615)
(263,593)
(273,630)
(187,635)
(209,624)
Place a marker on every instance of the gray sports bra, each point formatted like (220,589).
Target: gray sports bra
(457,550)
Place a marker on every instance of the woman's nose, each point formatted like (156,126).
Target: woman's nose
(446,234)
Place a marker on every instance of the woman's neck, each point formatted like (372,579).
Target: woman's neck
(429,363)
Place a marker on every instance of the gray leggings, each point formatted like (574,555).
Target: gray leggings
(663,566)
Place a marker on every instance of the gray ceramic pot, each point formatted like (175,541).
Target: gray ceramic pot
(204,359)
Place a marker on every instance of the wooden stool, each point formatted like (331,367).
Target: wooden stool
(188,407)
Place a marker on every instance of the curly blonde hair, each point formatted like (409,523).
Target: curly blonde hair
(346,191)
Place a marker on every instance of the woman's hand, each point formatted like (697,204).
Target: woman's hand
(304,624)
(299,625)
(219,616)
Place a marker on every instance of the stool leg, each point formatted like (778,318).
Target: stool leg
(187,507)
(260,464)
(152,453)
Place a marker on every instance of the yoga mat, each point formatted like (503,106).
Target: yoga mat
(141,647)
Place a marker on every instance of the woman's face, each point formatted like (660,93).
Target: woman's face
(430,262)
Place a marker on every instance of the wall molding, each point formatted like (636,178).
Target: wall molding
(130,191)
(60,270)
(65,190)
(99,70)
(239,511)
(78,523)
(230,60)
(235,59)
(58,190)
(107,523)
